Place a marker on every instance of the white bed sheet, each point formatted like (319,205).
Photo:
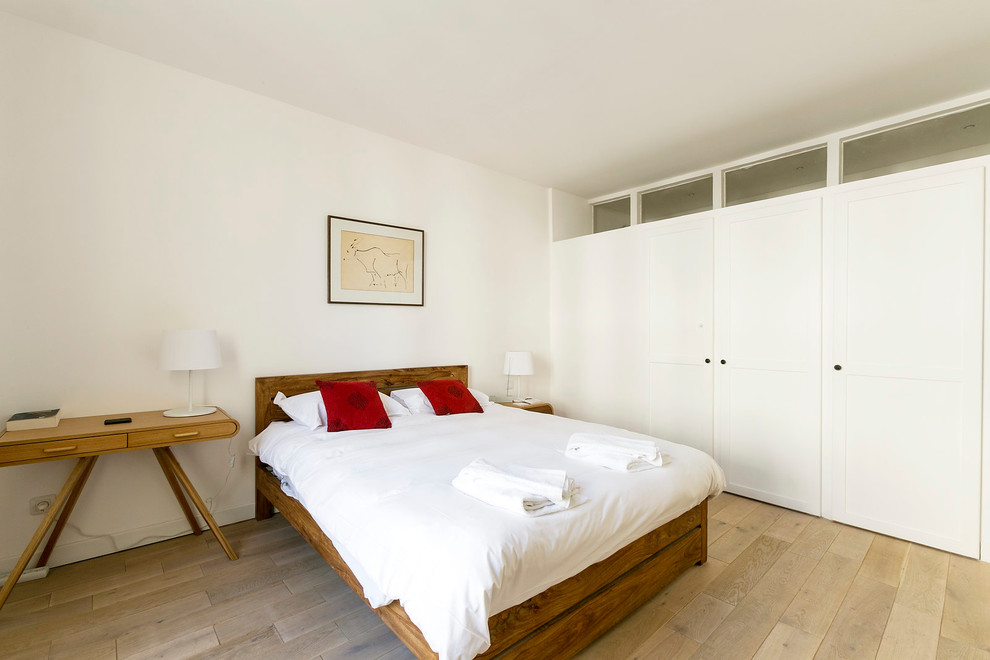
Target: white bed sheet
(385,500)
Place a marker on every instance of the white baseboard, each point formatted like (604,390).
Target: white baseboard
(27,575)
(88,548)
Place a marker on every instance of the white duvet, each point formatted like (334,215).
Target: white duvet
(384,497)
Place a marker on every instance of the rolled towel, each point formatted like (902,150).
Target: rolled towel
(516,488)
(614,452)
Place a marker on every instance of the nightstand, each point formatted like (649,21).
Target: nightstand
(536,406)
(88,438)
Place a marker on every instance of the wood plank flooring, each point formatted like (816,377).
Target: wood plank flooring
(778,584)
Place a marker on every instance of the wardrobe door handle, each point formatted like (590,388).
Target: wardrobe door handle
(708,360)
(838,367)
(722,361)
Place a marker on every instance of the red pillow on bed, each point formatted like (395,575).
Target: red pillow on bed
(449,397)
(353,406)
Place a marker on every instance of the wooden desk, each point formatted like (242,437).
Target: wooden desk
(88,438)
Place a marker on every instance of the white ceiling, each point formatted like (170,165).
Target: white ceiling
(588,96)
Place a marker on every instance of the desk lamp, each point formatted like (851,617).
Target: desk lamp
(517,363)
(185,350)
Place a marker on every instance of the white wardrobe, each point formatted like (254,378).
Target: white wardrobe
(827,350)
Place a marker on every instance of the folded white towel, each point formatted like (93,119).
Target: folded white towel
(526,490)
(614,452)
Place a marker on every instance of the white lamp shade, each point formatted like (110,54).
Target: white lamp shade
(190,349)
(518,363)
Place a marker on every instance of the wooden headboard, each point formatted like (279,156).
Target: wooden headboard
(266,387)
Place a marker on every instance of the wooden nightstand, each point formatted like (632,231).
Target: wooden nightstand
(88,438)
(536,406)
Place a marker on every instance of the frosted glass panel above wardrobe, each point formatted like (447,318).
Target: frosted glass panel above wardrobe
(929,141)
(611,215)
(775,177)
(677,200)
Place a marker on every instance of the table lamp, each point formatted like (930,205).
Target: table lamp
(186,350)
(517,363)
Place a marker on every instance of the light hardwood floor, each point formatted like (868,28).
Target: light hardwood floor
(778,584)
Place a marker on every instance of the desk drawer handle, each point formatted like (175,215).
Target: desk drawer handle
(187,434)
(56,450)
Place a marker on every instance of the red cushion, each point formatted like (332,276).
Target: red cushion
(449,397)
(352,406)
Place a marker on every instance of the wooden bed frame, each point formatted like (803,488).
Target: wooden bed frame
(556,623)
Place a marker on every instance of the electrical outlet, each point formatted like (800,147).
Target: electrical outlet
(39,505)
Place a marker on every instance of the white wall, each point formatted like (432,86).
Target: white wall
(135,197)
(570,215)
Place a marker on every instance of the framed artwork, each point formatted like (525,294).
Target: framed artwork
(374,264)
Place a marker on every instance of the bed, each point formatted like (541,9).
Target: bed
(558,621)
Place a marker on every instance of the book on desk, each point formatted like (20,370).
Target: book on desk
(34,419)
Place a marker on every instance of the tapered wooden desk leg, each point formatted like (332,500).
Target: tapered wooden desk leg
(82,467)
(166,454)
(70,504)
(179,495)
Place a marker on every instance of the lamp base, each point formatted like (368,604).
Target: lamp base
(190,412)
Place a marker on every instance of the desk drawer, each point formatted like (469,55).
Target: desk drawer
(39,451)
(180,434)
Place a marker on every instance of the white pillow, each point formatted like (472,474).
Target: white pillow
(392,407)
(306,409)
(480,396)
(309,410)
(417,403)
(414,400)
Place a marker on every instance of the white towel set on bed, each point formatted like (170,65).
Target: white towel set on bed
(614,452)
(526,490)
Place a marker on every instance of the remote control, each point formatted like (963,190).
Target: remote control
(117,420)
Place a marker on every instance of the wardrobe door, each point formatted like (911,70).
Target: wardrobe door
(681,332)
(906,359)
(768,352)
